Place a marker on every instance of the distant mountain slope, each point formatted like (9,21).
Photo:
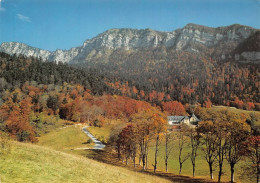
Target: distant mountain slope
(249,49)
(251,44)
(193,38)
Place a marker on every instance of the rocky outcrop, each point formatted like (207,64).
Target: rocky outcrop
(58,55)
(191,38)
(20,48)
(248,51)
(248,57)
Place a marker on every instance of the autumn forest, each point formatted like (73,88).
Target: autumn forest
(36,94)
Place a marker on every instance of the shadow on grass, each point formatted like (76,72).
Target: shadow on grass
(107,156)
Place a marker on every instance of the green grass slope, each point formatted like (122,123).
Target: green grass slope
(101,133)
(33,163)
(66,139)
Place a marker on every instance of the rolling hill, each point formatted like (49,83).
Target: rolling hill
(33,163)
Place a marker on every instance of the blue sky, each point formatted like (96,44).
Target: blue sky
(53,24)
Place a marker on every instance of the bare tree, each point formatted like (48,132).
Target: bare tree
(238,133)
(182,141)
(168,148)
(221,141)
(159,127)
(195,142)
(253,153)
(144,133)
(209,138)
(134,148)
(144,138)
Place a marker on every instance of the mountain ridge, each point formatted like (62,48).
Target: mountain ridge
(189,38)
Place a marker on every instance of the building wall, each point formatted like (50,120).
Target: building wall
(186,121)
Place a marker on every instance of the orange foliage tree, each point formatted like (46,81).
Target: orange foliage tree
(18,122)
(159,128)
(173,108)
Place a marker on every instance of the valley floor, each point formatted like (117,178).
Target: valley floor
(106,156)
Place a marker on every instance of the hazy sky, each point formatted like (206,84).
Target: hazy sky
(52,24)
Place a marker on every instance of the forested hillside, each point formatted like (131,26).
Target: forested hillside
(162,74)
(36,95)
(32,90)
(16,70)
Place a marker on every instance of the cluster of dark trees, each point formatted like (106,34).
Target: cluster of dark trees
(16,70)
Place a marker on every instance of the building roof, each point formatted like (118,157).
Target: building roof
(176,118)
(179,119)
(195,117)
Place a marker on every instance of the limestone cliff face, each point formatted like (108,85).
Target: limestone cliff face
(192,38)
(248,57)
(134,39)
(64,55)
(20,48)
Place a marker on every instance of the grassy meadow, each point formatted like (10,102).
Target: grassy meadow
(232,109)
(70,139)
(32,163)
(238,111)
(101,133)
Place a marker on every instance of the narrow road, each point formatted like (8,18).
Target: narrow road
(98,145)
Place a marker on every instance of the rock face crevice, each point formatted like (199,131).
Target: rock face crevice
(191,38)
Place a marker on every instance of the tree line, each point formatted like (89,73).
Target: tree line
(15,70)
(227,138)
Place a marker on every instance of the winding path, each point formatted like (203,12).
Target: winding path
(98,145)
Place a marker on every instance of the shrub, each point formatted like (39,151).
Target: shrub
(5,145)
